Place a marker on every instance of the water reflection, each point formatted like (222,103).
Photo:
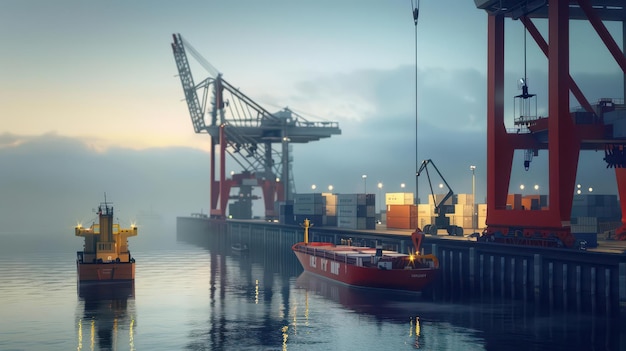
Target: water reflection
(106,316)
(380,305)
(263,300)
(248,295)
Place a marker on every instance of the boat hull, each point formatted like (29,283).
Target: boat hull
(114,271)
(370,277)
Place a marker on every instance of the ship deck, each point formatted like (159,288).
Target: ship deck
(352,250)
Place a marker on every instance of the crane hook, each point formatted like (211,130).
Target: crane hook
(416,10)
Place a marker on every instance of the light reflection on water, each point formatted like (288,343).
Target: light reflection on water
(202,296)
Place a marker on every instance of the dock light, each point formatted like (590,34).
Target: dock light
(380,188)
(313,187)
(590,189)
(364,183)
(402,185)
(474,213)
(330,188)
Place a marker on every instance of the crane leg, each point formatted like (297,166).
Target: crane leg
(620,176)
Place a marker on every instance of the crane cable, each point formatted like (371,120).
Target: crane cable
(415,9)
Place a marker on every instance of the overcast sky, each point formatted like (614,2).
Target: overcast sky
(100,77)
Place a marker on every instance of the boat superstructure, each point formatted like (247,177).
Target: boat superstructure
(105,255)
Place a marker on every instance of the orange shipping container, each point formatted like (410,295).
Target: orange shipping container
(401,211)
(530,203)
(514,201)
(402,222)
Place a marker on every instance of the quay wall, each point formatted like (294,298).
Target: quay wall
(559,278)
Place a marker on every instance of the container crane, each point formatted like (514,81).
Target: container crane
(259,141)
(563,134)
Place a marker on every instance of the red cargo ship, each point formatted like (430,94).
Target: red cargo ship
(105,256)
(368,267)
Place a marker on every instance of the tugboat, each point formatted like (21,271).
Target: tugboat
(105,256)
(368,267)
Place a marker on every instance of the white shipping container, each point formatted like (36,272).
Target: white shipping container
(465,199)
(331,199)
(482,222)
(482,210)
(356,211)
(331,210)
(310,198)
(425,210)
(371,211)
(351,222)
(399,199)
(351,199)
(463,210)
(308,209)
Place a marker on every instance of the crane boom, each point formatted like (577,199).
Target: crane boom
(196,109)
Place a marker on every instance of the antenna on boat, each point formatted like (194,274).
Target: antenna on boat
(306,225)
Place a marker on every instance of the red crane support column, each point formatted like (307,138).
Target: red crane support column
(499,153)
(620,177)
(564,144)
(224,185)
(215,190)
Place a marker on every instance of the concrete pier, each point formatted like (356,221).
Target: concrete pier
(593,280)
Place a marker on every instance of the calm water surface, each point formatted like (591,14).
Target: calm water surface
(201,296)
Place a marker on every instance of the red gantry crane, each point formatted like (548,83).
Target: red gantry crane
(247,132)
(563,133)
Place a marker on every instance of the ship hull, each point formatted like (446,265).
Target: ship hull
(115,271)
(415,279)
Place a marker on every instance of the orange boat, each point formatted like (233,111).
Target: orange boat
(105,256)
(368,267)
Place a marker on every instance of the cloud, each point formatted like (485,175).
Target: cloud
(378,138)
(51,182)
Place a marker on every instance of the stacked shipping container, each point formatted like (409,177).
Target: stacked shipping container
(401,211)
(464,211)
(590,213)
(285,212)
(331,209)
(356,211)
(310,206)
